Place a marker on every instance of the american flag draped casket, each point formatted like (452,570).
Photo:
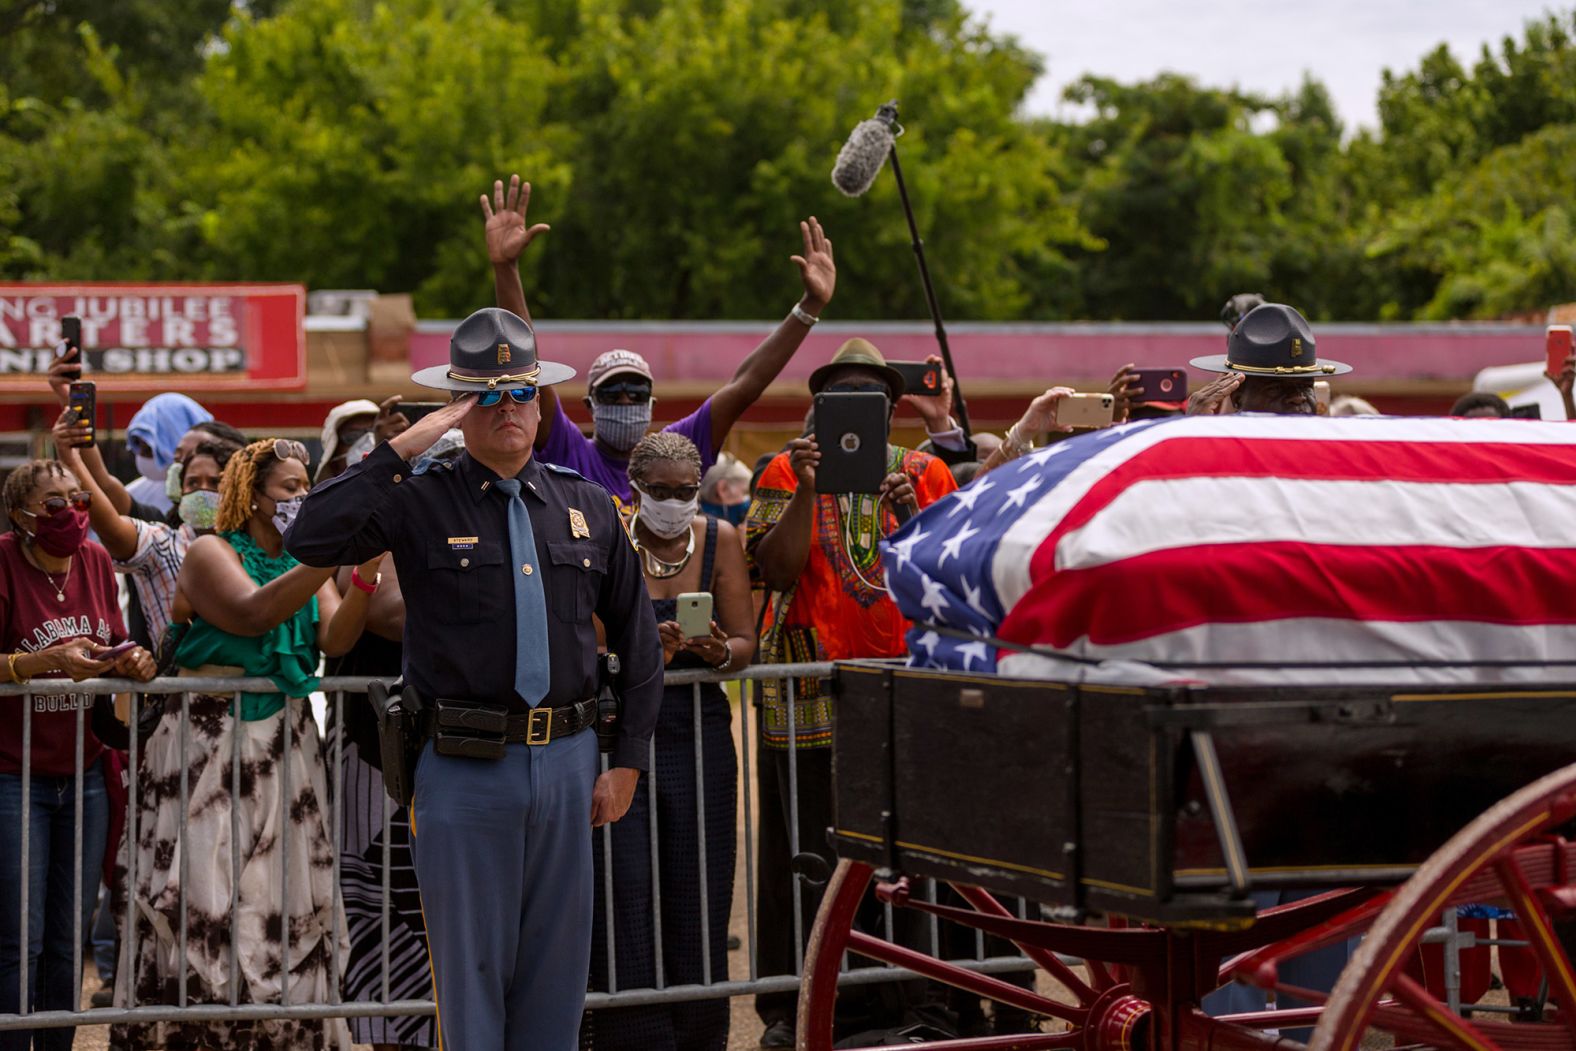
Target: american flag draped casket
(1257,549)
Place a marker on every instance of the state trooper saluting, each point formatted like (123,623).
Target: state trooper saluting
(502,561)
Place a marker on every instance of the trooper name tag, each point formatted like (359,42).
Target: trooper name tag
(577,524)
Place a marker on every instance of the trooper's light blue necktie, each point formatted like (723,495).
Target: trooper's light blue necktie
(531,671)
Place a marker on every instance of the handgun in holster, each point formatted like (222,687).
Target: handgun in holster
(609,702)
(402,731)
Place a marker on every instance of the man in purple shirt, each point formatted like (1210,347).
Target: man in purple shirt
(620,382)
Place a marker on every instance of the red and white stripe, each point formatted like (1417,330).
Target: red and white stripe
(1262,539)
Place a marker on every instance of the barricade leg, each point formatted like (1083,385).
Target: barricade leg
(21,887)
(68,900)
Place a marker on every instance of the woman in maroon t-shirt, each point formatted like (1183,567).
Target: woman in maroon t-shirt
(58,618)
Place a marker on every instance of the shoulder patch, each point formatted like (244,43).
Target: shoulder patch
(571,472)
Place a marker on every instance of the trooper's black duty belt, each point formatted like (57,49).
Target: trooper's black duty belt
(478,731)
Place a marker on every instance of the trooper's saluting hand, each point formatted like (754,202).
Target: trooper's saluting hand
(503,563)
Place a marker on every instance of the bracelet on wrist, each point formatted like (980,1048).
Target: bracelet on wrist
(357,579)
(727,645)
(1014,444)
(803,316)
(17,676)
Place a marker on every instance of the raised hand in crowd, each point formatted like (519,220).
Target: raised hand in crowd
(935,410)
(1038,418)
(61,374)
(1563,383)
(816,267)
(390,421)
(782,552)
(1211,399)
(804,456)
(507,232)
(1123,386)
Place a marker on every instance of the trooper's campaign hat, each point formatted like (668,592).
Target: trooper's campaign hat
(490,350)
(1273,340)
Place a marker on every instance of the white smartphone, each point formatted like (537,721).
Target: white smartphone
(695,614)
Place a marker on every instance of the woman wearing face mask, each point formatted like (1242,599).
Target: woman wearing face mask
(681,551)
(58,619)
(255,613)
(151,553)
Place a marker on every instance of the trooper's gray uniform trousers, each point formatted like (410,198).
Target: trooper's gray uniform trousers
(503,855)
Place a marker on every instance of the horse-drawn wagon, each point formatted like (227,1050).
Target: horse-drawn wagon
(1397,744)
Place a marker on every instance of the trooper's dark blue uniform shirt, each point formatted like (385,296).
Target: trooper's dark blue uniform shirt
(448,531)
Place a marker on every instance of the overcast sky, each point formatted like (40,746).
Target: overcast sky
(1262,46)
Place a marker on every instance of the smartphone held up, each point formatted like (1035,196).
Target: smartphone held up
(71,348)
(83,401)
(1557,346)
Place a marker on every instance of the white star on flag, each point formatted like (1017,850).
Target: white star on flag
(953,547)
(933,599)
(965,498)
(904,549)
(972,651)
(972,596)
(1017,497)
(1039,456)
(929,640)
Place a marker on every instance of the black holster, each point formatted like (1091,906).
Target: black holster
(402,730)
(609,702)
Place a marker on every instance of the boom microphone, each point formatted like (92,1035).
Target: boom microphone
(863,155)
(858,163)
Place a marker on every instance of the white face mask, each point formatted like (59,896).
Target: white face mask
(285,512)
(666,518)
(149,468)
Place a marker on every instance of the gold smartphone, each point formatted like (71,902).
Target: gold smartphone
(1085,410)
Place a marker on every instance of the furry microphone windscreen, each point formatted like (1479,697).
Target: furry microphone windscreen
(861,158)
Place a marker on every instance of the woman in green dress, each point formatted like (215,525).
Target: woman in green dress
(253,611)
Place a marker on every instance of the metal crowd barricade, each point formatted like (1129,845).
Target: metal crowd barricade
(37,694)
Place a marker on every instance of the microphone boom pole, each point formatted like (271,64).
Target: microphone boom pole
(888,113)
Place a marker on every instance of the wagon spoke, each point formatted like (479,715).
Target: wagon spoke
(985,902)
(962,978)
(1457,1031)
(1540,934)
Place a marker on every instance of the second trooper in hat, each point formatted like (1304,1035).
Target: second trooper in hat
(503,562)
(1270,365)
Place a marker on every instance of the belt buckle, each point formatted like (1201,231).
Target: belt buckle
(539,731)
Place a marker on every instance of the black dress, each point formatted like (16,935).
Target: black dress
(361,866)
(676,900)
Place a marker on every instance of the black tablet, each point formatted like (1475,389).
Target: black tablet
(851,431)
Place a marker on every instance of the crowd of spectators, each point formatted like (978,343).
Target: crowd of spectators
(793,575)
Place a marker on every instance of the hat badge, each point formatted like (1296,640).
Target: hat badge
(503,353)
(1296,347)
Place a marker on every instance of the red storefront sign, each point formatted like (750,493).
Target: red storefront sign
(153,338)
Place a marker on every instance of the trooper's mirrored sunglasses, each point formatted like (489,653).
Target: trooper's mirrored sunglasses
(518,395)
(53,505)
(622,393)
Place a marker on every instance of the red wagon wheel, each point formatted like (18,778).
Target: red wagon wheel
(1098,1000)
(1509,856)
(1104,1005)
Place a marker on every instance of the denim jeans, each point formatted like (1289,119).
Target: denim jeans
(52,985)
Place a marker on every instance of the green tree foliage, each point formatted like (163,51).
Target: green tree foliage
(674,144)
